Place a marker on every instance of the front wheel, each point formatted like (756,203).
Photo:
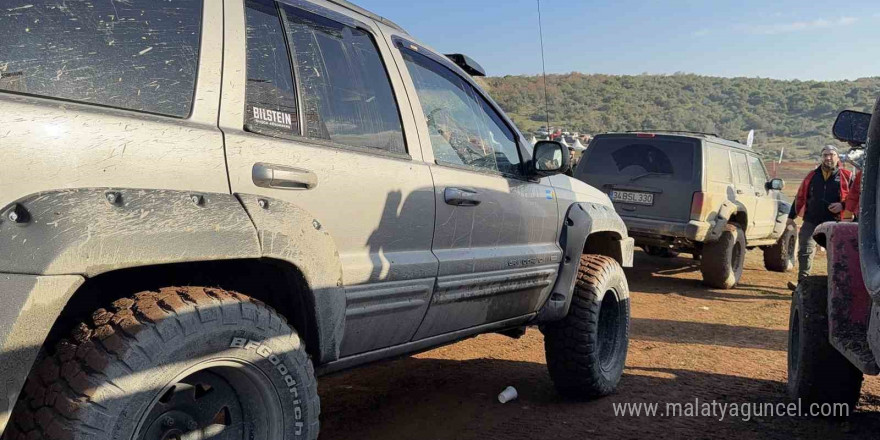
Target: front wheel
(586,350)
(179,363)
(780,257)
(817,372)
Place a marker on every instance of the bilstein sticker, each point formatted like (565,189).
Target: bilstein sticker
(272,118)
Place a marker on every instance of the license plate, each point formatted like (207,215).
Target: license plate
(637,198)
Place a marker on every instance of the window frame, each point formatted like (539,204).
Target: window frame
(725,151)
(760,162)
(402,44)
(344,20)
(736,168)
(193,95)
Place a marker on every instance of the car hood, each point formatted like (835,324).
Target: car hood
(577,191)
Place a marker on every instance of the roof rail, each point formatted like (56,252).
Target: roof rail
(362,11)
(673,131)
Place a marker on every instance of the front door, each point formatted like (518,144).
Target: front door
(496,231)
(765,200)
(745,194)
(318,127)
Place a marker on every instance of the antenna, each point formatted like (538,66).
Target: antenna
(543,67)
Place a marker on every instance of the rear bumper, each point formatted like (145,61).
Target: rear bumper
(643,230)
(29,305)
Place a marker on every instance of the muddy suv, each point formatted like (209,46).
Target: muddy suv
(206,205)
(697,193)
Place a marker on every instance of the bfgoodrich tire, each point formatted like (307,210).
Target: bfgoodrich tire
(723,259)
(177,363)
(586,351)
(780,257)
(817,372)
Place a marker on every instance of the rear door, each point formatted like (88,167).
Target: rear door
(317,111)
(496,231)
(647,176)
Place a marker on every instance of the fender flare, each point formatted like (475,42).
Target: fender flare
(727,210)
(85,232)
(581,221)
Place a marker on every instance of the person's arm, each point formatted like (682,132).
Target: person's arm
(852,199)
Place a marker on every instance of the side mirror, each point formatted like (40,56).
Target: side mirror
(851,126)
(775,184)
(549,158)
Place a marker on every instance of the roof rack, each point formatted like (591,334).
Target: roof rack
(673,131)
(362,11)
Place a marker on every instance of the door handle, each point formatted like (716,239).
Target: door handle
(281,177)
(739,191)
(757,193)
(460,197)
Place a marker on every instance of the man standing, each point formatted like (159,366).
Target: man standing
(819,199)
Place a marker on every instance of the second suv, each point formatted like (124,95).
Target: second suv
(695,193)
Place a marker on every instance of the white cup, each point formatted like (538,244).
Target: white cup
(507,395)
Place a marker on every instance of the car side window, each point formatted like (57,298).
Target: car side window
(759,177)
(718,165)
(741,164)
(345,89)
(137,55)
(464,129)
(271,107)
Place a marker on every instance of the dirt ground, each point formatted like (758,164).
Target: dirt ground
(687,342)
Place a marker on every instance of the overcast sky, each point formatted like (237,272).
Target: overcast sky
(788,39)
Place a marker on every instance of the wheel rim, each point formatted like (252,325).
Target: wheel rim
(217,399)
(608,332)
(794,339)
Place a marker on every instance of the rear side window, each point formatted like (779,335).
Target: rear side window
(345,90)
(271,99)
(639,158)
(718,165)
(136,54)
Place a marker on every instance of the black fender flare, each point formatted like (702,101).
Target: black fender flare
(581,220)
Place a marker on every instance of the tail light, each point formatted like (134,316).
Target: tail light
(697,205)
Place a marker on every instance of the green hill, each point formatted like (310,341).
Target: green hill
(795,114)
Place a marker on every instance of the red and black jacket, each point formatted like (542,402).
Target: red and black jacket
(816,194)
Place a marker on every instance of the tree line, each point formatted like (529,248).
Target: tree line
(791,113)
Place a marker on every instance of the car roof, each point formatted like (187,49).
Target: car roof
(681,134)
(355,8)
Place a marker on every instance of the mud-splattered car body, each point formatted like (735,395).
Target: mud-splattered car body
(116,179)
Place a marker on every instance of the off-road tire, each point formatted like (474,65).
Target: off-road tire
(586,350)
(817,372)
(723,259)
(658,251)
(128,363)
(781,256)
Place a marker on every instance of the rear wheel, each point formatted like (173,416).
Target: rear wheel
(781,256)
(586,350)
(722,260)
(178,363)
(817,372)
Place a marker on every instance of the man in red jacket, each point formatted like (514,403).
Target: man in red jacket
(820,199)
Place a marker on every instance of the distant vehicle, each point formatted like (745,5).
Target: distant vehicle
(697,193)
(834,323)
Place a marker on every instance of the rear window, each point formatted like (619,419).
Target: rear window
(135,54)
(639,158)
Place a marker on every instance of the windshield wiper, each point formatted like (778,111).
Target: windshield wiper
(652,173)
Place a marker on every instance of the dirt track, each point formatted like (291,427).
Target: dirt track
(687,342)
